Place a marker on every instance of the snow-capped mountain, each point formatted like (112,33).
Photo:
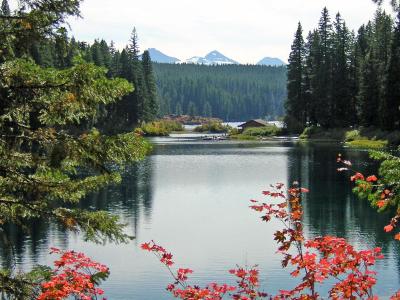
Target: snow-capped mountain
(212,58)
(158,56)
(197,60)
(218,58)
(271,61)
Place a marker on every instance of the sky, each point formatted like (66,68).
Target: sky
(245,31)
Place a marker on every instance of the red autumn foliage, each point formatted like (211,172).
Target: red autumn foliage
(73,277)
(374,188)
(316,260)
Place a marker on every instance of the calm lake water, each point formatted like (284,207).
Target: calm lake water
(192,197)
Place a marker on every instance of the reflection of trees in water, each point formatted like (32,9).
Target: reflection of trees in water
(129,200)
(331,208)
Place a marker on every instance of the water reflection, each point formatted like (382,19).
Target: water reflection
(332,209)
(192,197)
(132,199)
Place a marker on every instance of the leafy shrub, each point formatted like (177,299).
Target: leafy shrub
(161,128)
(214,127)
(353,135)
(270,130)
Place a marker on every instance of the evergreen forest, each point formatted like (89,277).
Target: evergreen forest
(229,92)
(341,78)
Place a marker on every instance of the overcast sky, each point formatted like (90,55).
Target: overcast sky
(245,30)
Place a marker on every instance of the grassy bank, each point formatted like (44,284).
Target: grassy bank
(256,133)
(359,138)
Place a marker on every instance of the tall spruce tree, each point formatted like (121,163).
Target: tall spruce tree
(343,104)
(369,92)
(138,114)
(312,79)
(296,106)
(133,47)
(390,107)
(115,57)
(323,80)
(151,88)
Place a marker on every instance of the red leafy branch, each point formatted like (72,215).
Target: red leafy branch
(246,289)
(380,195)
(73,276)
(316,260)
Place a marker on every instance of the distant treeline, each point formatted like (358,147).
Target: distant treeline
(140,105)
(337,78)
(229,92)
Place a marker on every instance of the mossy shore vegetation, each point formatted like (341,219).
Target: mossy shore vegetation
(256,133)
(160,128)
(213,127)
(369,137)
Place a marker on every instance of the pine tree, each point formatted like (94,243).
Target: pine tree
(390,107)
(343,105)
(323,82)
(97,54)
(151,88)
(134,45)
(369,93)
(105,53)
(140,100)
(115,57)
(311,79)
(296,105)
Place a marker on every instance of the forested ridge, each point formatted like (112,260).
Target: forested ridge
(339,78)
(229,92)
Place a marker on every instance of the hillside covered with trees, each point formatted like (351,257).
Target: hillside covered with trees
(339,78)
(229,92)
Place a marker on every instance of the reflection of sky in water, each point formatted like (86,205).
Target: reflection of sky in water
(192,197)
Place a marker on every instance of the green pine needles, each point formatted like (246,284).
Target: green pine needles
(51,156)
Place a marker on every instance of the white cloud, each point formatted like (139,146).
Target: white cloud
(243,30)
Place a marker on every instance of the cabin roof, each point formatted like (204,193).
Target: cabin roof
(259,121)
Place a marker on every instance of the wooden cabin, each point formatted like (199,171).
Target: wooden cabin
(253,123)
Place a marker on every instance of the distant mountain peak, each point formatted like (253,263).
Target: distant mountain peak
(159,57)
(214,53)
(213,58)
(271,61)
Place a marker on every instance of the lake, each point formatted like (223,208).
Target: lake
(192,197)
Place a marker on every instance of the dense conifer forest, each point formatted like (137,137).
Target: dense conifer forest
(229,92)
(340,78)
